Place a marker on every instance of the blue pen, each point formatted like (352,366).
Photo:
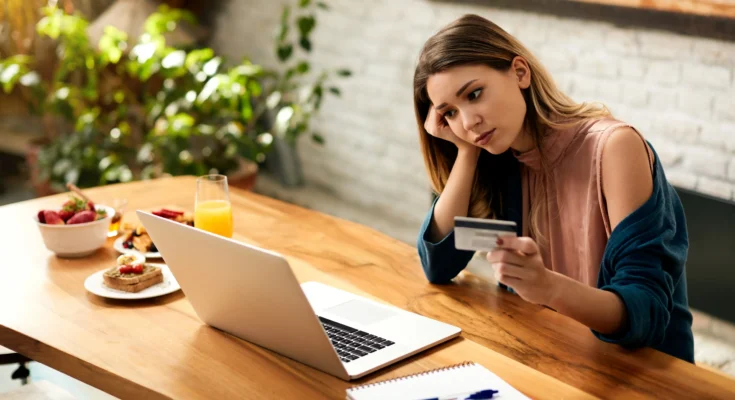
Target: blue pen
(481,395)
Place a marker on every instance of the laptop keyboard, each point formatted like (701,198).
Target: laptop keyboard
(351,343)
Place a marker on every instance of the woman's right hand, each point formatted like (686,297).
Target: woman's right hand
(437,126)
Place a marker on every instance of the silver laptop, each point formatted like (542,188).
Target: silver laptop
(253,294)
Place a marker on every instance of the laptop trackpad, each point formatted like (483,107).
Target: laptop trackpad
(361,312)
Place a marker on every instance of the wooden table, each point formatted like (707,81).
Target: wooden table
(159,349)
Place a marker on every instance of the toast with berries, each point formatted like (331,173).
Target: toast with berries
(132,278)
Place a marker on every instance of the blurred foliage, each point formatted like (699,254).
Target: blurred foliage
(298,91)
(152,110)
(17,23)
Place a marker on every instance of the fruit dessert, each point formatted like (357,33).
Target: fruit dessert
(73,211)
(136,237)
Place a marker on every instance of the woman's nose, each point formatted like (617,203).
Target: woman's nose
(470,121)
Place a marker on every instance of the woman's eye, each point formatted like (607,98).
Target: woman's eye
(474,94)
(449,114)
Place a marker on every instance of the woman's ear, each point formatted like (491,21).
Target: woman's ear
(522,72)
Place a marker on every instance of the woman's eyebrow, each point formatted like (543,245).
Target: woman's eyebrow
(458,94)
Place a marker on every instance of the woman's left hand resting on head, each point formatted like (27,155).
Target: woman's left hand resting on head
(518,263)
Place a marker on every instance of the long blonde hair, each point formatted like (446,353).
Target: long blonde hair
(473,40)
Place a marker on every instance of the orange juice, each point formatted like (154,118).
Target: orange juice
(214,216)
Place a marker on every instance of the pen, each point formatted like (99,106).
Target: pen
(481,395)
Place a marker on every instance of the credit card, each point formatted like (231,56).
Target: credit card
(478,234)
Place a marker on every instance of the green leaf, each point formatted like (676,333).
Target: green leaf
(111,44)
(30,79)
(318,91)
(10,73)
(304,3)
(174,59)
(344,72)
(247,110)
(284,52)
(303,67)
(322,5)
(198,56)
(283,119)
(125,174)
(285,14)
(335,91)
(283,31)
(306,25)
(305,44)
(318,138)
(212,66)
(106,162)
(208,89)
(181,124)
(249,70)
(254,88)
(61,166)
(273,100)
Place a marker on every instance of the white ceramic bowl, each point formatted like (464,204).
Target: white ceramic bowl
(77,240)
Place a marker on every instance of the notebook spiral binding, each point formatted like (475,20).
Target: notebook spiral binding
(406,377)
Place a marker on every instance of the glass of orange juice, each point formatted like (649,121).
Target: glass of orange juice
(213,211)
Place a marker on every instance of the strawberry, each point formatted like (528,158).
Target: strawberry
(52,218)
(131,269)
(69,205)
(163,214)
(66,214)
(90,206)
(41,218)
(82,217)
(172,212)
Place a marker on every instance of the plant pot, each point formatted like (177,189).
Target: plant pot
(284,163)
(245,176)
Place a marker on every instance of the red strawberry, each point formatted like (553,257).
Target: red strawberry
(82,217)
(172,212)
(66,214)
(52,218)
(41,218)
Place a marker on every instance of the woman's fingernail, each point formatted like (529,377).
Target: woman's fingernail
(499,242)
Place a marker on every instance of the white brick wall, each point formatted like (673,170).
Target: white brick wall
(679,92)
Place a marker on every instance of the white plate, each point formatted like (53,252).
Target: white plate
(118,245)
(95,284)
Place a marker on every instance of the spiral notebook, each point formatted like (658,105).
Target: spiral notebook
(456,381)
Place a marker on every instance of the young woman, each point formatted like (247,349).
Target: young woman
(602,234)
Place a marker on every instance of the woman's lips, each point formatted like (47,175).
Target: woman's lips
(485,137)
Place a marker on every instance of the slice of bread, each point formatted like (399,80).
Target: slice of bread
(133,282)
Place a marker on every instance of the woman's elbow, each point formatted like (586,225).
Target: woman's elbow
(435,275)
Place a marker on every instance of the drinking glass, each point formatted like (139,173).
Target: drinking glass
(119,206)
(212,210)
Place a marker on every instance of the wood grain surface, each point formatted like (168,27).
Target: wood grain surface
(158,348)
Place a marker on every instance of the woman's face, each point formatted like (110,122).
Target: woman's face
(484,106)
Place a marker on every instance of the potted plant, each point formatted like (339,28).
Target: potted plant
(155,110)
(296,91)
(150,110)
